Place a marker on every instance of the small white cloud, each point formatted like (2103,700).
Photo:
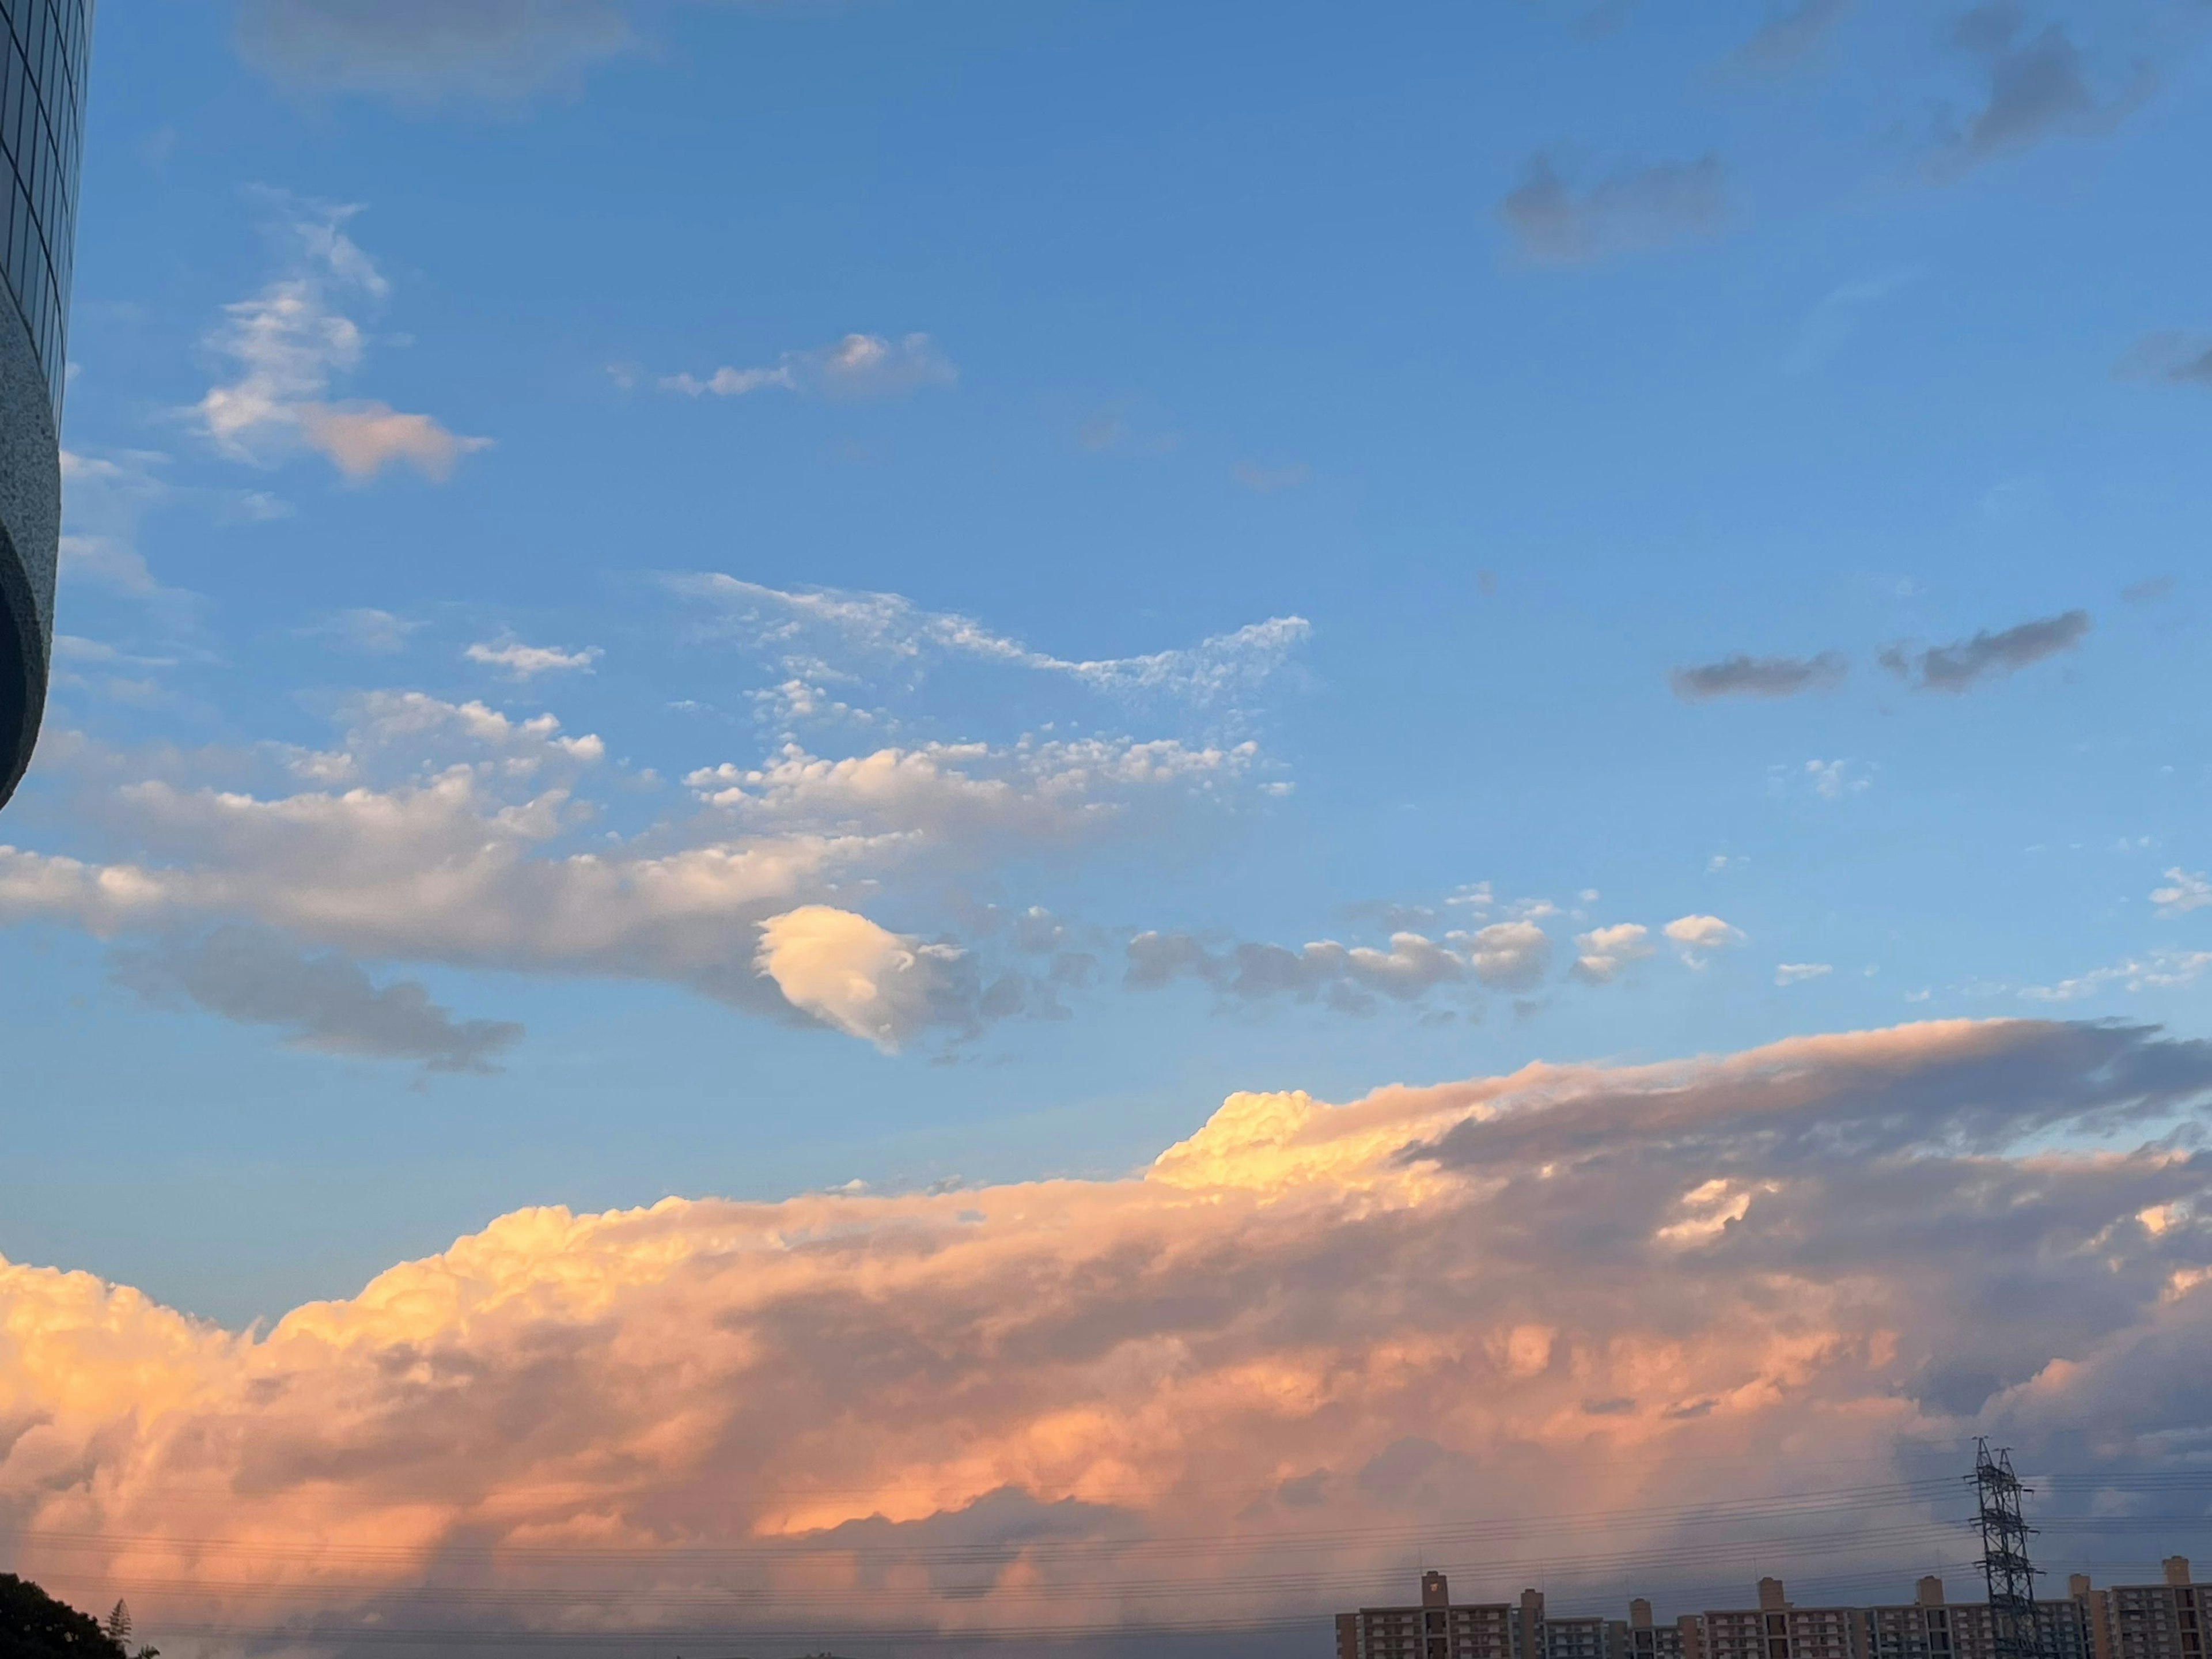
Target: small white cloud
(850,972)
(1699,936)
(1605,951)
(1511,955)
(1796,973)
(289,342)
(2185,891)
(2160,970)
(857,367)
(363,439)
(524,662)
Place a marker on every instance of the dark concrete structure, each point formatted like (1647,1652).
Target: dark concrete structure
(42,81)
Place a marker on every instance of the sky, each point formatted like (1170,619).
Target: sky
(890,785)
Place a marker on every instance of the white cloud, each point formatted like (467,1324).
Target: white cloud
(860,366)
(290,342)
(1605,951)
(524,662)
(1510,955)
(882,988)
(1796,973)
(808,628)
(2186,890)
(449,833)
(1699,936)
(1507,955)
(2159,970)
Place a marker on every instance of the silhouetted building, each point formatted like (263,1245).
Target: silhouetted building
(2136,1621)
(42,81)
(1440,1629)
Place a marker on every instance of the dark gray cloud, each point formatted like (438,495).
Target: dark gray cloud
(1742,676)
(1963,663)
(326,1002)
(1791,31)
(429,49)
(2036,83)
(1635,208)
(2178,358)
(1505,956)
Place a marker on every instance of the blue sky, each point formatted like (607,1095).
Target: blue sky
(1217,478)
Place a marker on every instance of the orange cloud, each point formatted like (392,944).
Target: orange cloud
(1306,1341)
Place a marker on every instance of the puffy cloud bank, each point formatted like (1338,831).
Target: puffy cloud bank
(1254,1377)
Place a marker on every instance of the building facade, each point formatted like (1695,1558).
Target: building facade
(2156,1621)
(43,61)
(2129,1621)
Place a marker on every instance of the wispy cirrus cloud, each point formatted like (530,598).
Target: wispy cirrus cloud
(291,342)
(812,632)
(1963,663)
(857,367)
(1628,1282)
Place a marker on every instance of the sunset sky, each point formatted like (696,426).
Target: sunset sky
(997,814)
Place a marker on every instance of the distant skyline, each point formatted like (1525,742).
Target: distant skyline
(722,668)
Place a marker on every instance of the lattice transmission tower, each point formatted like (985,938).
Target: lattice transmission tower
(2005,1566)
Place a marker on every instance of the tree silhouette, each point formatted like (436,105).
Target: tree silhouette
(33,1626)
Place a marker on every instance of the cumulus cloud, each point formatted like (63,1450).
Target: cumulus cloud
(324,1001)
(436,832)
(1080,1405)
(2159,970)
(1963,663)
(420,50)
(1631,209)
(809,630)
(1504,955)
(2184,891)
(1742,676)
(880,987)
(1605,951)
(860,366)
(519,661)
(291,341)
(1698,937)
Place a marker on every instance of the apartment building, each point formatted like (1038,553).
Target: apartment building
(2127,1621)
(2153,1621)
(1438,1628)
(1645,1640)
(1931,1627)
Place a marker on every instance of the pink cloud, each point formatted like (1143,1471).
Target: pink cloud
(1301,1337)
